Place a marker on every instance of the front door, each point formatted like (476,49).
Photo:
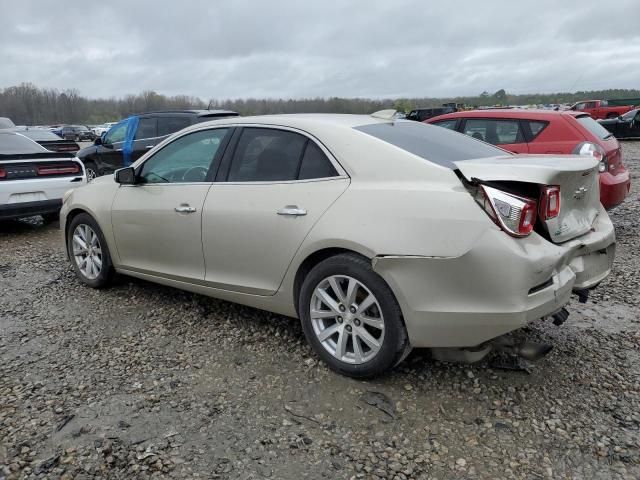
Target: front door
(110,152)
(278,185)
(157,222)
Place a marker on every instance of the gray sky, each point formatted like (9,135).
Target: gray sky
(308,48)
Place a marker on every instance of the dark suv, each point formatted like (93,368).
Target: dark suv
(131,138)
(422,114)
(77,133)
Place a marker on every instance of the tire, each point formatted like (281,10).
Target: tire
(98,276)
(91,170)
(379,322)
(50,217)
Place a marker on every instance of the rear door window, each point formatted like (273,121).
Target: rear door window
(147,128)
(169,125)
(494,131)
(536,127)
(450,124)
(267,155)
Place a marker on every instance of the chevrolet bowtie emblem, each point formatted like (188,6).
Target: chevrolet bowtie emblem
(580,193)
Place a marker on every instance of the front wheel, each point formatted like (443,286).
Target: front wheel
(351,318)
(88,252)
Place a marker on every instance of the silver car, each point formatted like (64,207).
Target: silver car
(378,234)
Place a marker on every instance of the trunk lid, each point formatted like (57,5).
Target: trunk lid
(577,177)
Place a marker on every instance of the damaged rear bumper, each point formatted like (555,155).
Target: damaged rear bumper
(499,285)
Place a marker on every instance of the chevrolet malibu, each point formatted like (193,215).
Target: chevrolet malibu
(378,234)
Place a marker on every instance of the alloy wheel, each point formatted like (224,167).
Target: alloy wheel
(87,251)
(347,319)
(91,173)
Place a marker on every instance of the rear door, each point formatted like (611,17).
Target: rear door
(272,189)
(145,138)
(503,132)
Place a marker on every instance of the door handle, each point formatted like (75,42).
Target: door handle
(185,209)
(292,210)
(118,149)
(149,147)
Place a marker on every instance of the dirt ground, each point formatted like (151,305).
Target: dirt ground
(143,381)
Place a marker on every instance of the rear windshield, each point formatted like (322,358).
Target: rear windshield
(40,135)
(594,127)
(436,144)
(11,144)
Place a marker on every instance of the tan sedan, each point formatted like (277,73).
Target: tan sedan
(379,235)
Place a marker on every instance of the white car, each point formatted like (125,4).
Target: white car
(99,130)
(34,179)
(379,235)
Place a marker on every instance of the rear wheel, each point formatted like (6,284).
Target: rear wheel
(88,252)
(351,318)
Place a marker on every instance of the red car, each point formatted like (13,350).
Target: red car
(546,131)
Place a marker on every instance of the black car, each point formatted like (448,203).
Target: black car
(50,140)
(77,133)
(626,126)
(131,138)
(422,114)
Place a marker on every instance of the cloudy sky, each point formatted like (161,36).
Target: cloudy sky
(308,48)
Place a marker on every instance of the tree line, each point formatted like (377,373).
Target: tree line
(27,104)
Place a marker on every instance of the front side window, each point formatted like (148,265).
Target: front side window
(169,125)
(116,134)
(496,132)
(450,124)
(185,160)
(267,155)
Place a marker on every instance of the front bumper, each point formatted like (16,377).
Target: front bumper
(501,284)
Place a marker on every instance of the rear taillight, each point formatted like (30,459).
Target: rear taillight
(514,214)
(59,170)
(594,150)
(549,202)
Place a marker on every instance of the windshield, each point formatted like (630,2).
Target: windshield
(433,143)
(40,135)
(630,115)
(12,143)
(594,127)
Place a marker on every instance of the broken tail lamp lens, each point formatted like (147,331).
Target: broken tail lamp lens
(514,214)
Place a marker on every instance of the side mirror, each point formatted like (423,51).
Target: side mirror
(125,176)
(97,141)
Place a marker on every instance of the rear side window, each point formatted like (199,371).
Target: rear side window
(11,144)
(496,132)
(438,145)
(147,128)
(536,127)
(315,164)
(169,125)
(265,154)
(450,124)
(594,127)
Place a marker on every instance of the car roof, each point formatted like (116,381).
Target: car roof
(199,113)
(302,120)
(518,113)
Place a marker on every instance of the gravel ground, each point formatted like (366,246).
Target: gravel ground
(143,381)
